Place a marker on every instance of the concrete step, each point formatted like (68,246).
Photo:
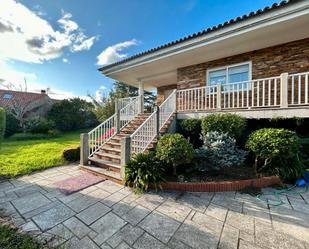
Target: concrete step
(110,150)
(109,175)
(108,157)
(113,145)
(105,164)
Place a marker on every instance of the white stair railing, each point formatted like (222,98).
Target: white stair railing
(106,130)
(167,108)
(298,89)
(101,134)
(125,101)
(128,112)
(148,130)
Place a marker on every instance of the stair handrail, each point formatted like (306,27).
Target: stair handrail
(101,134)
(123,102)
(148,130)
(129,112)
(167,109)
(107,129)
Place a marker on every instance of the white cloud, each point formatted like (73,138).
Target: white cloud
(114,53)
(65,60)
(26,36)
(84,45)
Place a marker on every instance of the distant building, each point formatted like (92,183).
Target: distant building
(34,104)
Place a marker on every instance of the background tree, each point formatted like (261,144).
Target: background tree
(73,114)
(105,106)
(18,107)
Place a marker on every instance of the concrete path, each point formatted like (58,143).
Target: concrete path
(108,215)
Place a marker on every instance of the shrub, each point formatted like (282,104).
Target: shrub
(12,125)
(38,125)
(276,151)
(143,170)
(232,124)
(191,129)
(71,154)
(72,114)
(2,124)
(174,149)
(219,151)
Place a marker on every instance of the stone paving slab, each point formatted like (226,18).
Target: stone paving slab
(53,217)
(30,202)
(160,226)
(109,216)
(106,227)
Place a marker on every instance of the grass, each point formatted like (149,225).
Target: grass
(10,238)
(23,154)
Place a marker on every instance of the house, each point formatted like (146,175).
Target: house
(255,65)
(29,103)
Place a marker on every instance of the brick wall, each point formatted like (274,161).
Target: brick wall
(160,92)
(291,57)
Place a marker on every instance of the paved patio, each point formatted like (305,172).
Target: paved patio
(108,215)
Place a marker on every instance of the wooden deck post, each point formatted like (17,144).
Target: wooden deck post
(219,96)
(284,90)
(84,148)
(125,154)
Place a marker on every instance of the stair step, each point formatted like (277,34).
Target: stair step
(113,145)
(110,175)
(115,167)
(111,149)
(108,157)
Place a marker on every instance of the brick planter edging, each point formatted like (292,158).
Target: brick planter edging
(221,186)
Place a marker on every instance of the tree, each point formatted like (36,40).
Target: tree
(72,114)
(105,106)
(18,107)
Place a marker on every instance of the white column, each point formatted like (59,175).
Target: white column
(141,96)
(284,90)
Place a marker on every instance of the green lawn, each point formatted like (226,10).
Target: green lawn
(22,155)
(11,239)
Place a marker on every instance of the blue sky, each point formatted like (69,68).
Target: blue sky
(56,43)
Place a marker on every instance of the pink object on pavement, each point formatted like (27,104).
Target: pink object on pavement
(77,183)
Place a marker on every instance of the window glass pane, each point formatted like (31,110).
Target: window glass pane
(238,73)
(218,76)
(7,96)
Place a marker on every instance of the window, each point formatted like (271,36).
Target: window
(7,96)
(230,74)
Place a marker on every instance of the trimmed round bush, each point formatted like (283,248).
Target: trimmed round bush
(2,123)
(276,151)
(71,154)
(191,129)
(231,124)
(143,169)
(175,150)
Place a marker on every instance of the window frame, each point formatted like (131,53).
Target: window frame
(226,73)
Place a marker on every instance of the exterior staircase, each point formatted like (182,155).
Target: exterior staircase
(105,155)
(106,161)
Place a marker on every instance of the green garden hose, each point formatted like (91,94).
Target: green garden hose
(277,200)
